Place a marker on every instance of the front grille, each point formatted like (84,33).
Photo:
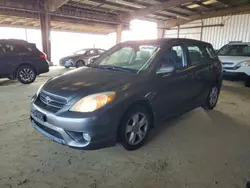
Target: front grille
(230,68)
(227,63)
(48,130)
(52,100)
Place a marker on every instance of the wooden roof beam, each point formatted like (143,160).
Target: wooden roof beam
(126,17)
(210,14)
(55,4)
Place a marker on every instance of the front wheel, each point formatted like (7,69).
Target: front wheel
(26,74)
(80,63)
(134,128)
(212,98)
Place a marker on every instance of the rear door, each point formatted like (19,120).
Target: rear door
(10,59)
(200,65)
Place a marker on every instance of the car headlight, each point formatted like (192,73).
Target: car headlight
(243,64)
(93,102)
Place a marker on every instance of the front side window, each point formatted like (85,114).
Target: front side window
(80,52)
(134,57)
(175,56)
(235,50)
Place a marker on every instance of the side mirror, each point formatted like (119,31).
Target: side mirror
(165,69)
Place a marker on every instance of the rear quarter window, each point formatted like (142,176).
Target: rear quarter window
(211,52)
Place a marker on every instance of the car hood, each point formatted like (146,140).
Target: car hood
(233,60)
(85,81)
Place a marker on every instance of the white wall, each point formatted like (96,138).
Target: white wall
(236,28)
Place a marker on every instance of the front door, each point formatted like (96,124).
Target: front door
(173,89)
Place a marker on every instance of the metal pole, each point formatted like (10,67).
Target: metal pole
(26,35)
(178,32)
(202,27)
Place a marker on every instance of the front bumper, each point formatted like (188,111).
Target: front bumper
(68,131)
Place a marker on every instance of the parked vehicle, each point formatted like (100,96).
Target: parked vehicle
(235,58)
(80,58)
(126,91)
(21,60)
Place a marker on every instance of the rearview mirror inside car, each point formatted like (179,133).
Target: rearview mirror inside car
(164,69)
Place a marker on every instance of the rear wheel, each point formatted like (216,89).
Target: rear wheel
(212,98)
(134,128)
(26,74)
(80,63)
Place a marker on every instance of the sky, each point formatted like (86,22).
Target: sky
(65,43)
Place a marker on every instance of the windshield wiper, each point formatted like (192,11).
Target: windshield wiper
(114,68)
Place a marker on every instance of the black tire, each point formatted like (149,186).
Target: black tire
(66,67)
(247,81)
(123,128)
(26,74)
(212,98)
(80,63)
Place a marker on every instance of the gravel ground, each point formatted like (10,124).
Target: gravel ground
(197,150)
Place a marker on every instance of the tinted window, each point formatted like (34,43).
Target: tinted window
(235,50)
(175,56)
(196,55)
(1,49)
(10,48)
(211,53)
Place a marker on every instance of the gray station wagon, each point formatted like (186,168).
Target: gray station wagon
(122,95)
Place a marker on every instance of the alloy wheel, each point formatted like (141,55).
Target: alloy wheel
(136,128)
(26,74)
(213,97)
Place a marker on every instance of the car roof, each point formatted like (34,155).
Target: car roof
(164,41)
(239,43)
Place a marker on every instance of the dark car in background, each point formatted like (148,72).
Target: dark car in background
(21,60)
(122,95)
(80,58)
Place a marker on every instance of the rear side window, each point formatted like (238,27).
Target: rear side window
(2,50)
(212,54)
(17,48)
(196,54)
(10,48)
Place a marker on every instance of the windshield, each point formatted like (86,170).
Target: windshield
(235,50)
(133,57)
(80,52)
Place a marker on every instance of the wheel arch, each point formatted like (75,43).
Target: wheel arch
(144,103)
(23,64)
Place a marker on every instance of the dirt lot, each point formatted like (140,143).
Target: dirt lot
(197,150)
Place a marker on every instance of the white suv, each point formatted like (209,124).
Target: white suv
(235,58)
